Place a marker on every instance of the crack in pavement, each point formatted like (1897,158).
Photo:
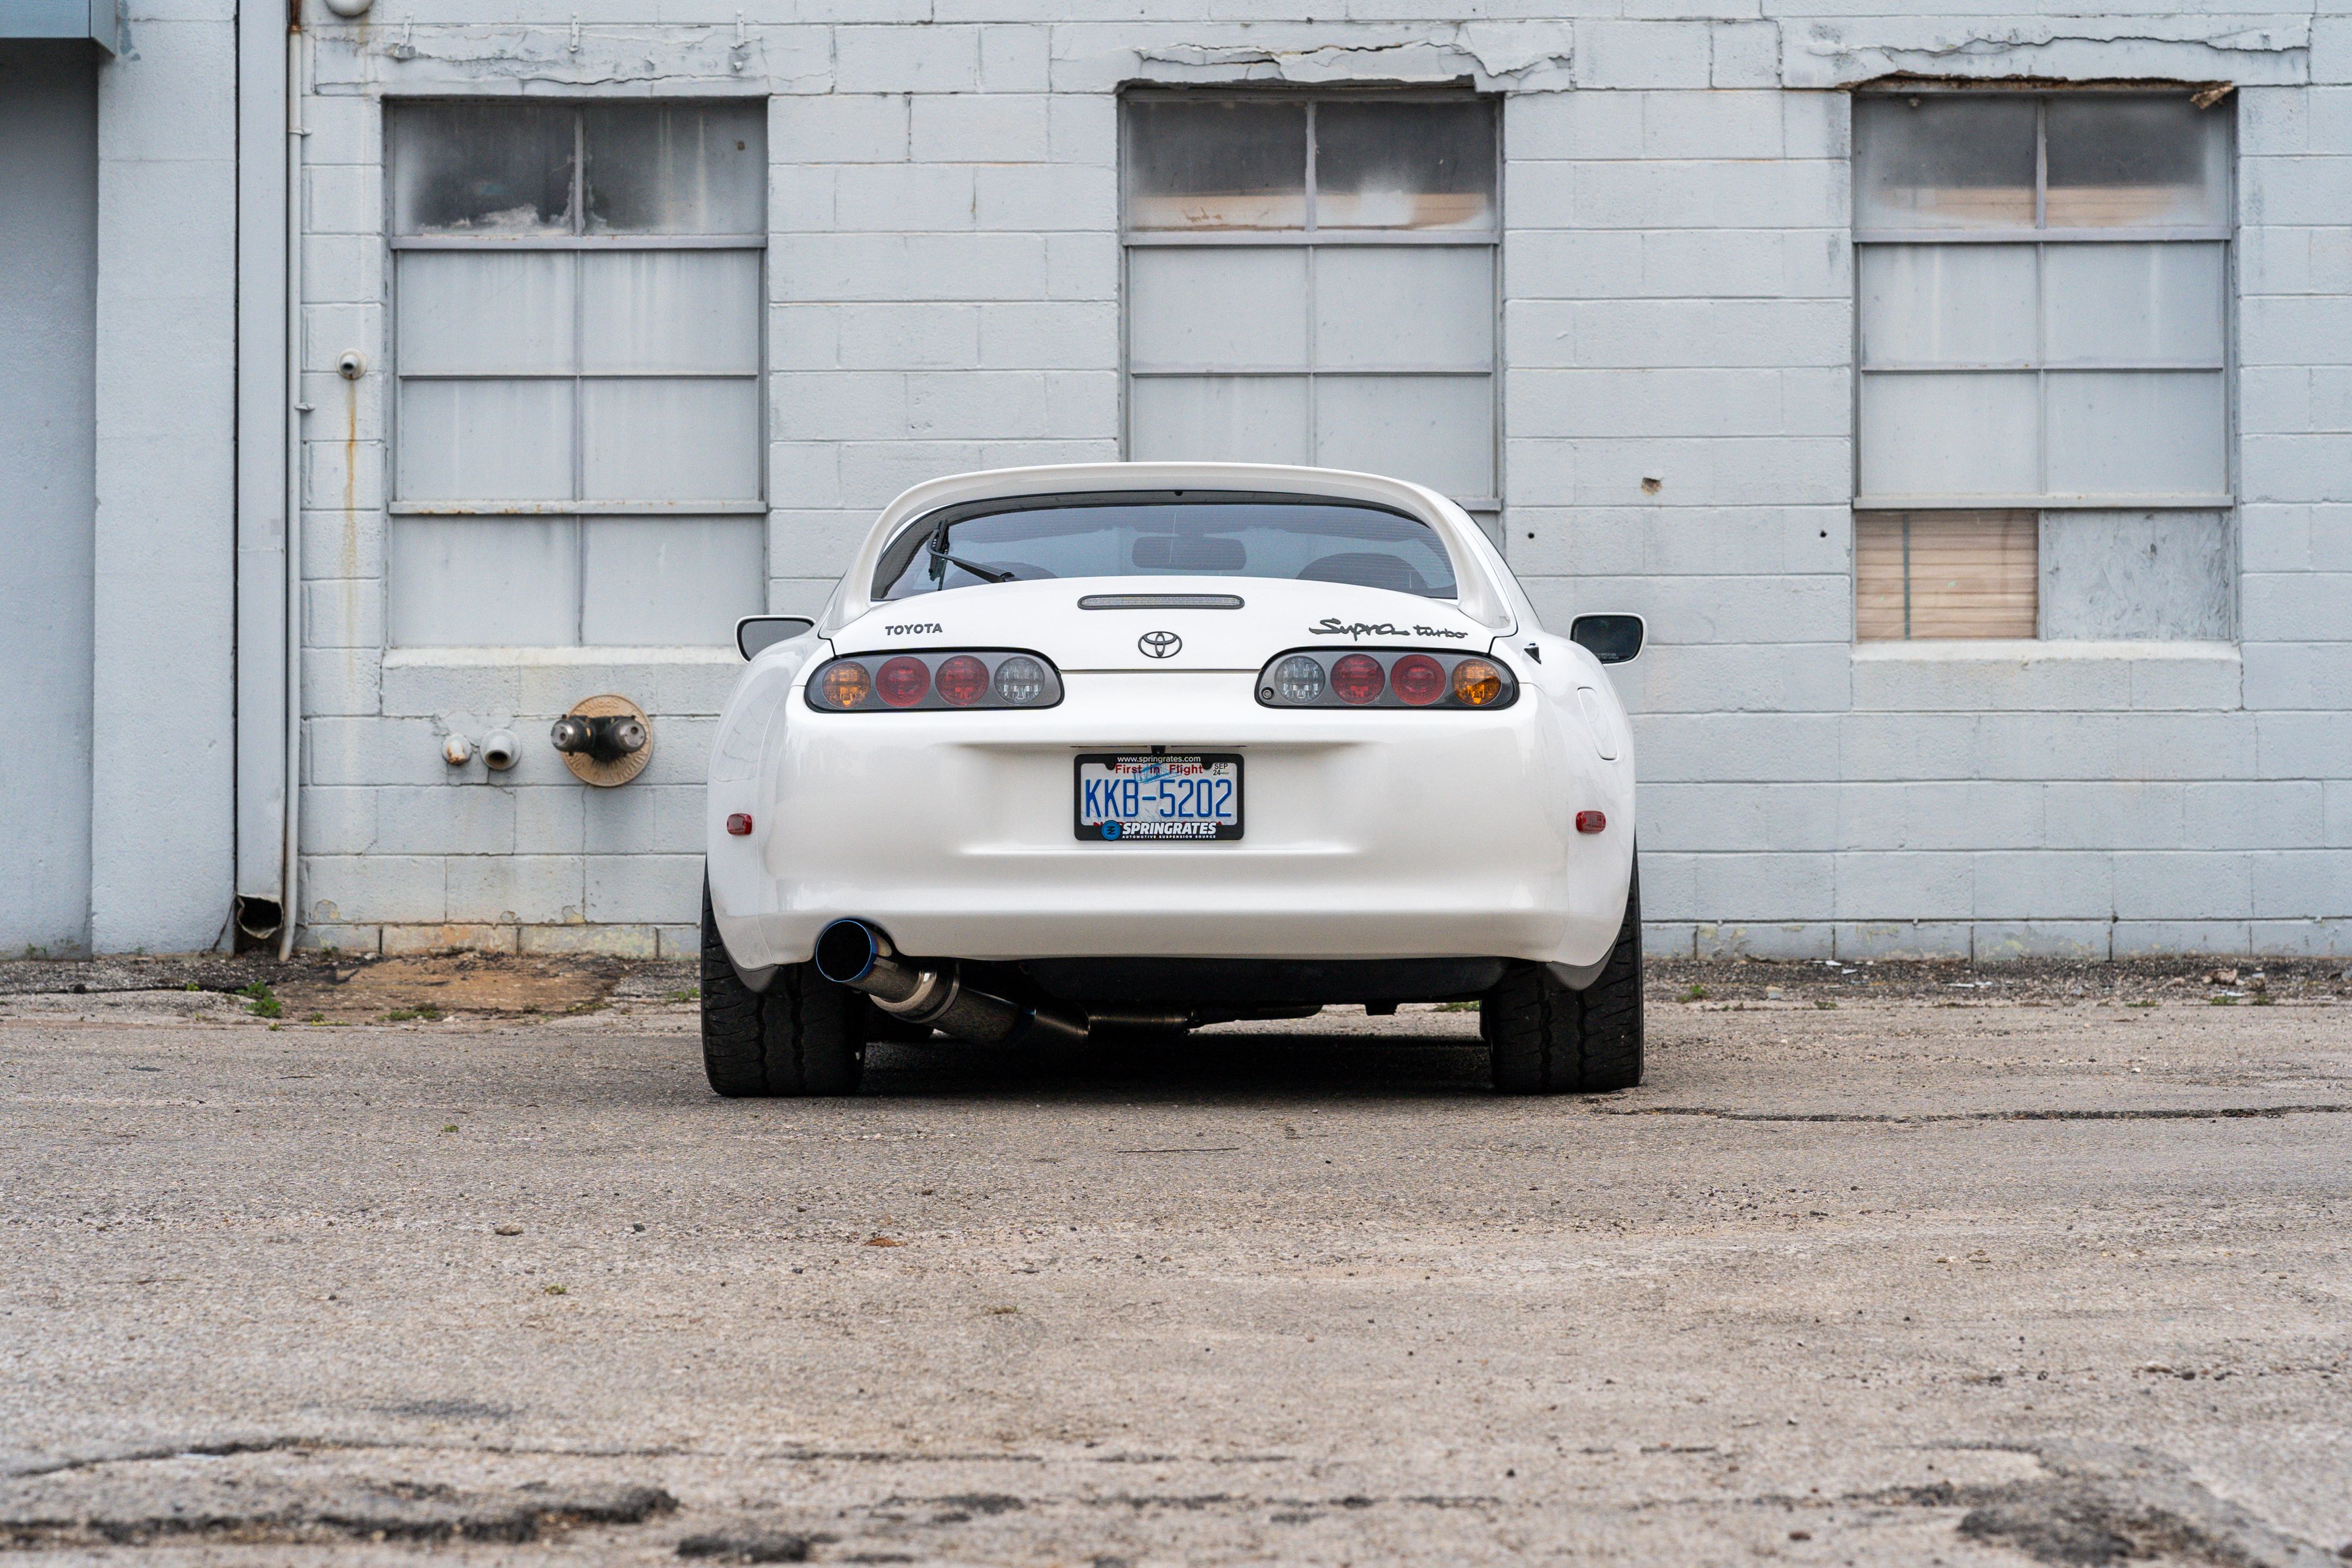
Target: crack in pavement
(225,1448)
(389,1511)
(218,1448)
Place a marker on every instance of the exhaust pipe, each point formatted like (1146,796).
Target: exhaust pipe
(852,952)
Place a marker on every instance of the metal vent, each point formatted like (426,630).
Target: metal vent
(1161,601)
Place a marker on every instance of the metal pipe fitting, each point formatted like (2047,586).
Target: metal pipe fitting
(607,739)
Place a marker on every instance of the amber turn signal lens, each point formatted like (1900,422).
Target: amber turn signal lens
(1476,682)
(846,685)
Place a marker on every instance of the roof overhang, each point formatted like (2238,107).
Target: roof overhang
(96,20)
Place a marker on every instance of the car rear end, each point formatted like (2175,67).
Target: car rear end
(1326,770)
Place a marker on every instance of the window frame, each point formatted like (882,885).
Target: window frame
(1310,238)
(2040,238)
(578,507)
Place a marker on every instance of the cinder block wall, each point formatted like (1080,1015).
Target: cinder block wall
(164,677)
(943,274)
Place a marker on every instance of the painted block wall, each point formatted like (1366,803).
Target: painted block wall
(943,283)
(164,699)
(49,484)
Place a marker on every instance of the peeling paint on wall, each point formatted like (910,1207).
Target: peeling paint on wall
(660,59)
(2252,50)
(1533,56)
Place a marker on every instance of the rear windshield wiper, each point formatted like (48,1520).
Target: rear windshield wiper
(938,554)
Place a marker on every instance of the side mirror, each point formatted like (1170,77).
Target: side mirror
(755,633)
(1612,639)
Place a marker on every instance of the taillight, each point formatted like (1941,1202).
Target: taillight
(961,680)
(1476,682)
(904,682)
(1298,679)
(979,678)
(1023,682)
(1385,677)
(845,684)
(1358,679)
(1417,679)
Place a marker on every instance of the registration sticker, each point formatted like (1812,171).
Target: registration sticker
(1126,798)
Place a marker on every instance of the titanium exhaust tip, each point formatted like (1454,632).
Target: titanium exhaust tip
(847,950)
(852,952)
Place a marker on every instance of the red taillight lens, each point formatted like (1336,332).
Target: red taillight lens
(1358,678)
(1591,822)
(962,680)
(738,823)
(903,682)
(1418,678)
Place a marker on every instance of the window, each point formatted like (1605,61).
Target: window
(1207,534)
(1312,280)
(2042,288)
(578,453)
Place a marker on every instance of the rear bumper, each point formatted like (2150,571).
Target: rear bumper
(1380,834)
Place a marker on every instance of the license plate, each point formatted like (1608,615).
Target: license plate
(1126,798)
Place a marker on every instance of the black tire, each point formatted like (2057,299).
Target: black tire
(734,1055)
(803,1036)
(1544,1039)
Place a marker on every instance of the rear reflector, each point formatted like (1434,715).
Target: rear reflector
(1591,822)
(738,823)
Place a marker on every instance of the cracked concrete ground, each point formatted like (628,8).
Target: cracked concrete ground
(1895,1282)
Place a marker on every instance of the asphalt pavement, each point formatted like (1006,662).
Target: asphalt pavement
(1891,1281)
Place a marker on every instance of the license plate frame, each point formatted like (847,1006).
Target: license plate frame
(1154,830)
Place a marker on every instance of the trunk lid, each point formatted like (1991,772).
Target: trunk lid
(1162,623)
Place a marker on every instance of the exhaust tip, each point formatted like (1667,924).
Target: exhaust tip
(846,951)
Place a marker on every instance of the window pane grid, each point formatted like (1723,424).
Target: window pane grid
(1890,450)
(1324,297)
(620,550)
(1451,203)
(2111,319)
(2110,211)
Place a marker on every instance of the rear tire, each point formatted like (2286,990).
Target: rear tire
(1544,1039)
(805,1035)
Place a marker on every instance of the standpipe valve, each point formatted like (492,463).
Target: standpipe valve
(605,740)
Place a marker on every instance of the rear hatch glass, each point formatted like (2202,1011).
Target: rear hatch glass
(1168,534)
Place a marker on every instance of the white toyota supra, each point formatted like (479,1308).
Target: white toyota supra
(1167,743)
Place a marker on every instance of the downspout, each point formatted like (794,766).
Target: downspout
(289,894)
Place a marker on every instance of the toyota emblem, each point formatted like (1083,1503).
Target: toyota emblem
(1159,644)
